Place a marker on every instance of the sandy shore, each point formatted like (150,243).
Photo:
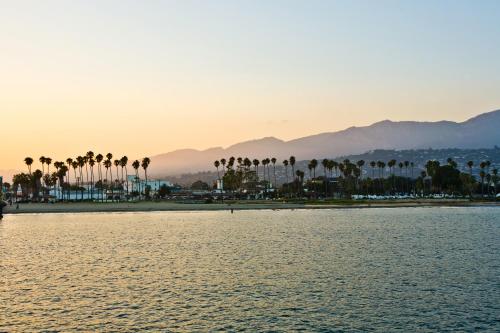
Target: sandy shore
(84,207)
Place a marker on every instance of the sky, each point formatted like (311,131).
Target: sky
(140,78)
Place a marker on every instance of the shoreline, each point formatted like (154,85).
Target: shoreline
(152,206)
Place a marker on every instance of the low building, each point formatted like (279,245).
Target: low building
(139,185)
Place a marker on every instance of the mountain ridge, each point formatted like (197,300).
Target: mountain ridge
(481,131)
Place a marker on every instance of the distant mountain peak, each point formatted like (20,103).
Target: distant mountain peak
(477,132)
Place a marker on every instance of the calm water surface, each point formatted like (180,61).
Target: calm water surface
(417,269)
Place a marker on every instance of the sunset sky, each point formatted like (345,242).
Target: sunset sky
(146,77)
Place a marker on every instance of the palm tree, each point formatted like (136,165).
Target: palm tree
(99,159)
(81,164)
(217,165)
(28,161)
(136,164)
(116,163)
(285,164)
(48,161)
(109,156)
(256,163)
(495,179)
(482,174)
(123,164)
(335,165)
(488,163)
(91,163)
(292,164)
(74,164)
(360,164)
(61,173)
(145,164)
(107,164)
(310,167)
(373,164)
(470,164)
(69,162)
(87,158)
(42,160)
(273,161)
(314,164)
(223,162)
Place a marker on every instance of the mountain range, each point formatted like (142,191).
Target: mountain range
(482,131)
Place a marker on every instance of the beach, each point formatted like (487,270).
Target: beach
(147,206)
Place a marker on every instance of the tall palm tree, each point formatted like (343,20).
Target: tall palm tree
(314,164)
(488,163)
(285,164)
(123,164)
(372,165)
(482,174)
(360,164)
(273,161)
(495,179)
(28,161)
(256,163)
(145,164)
(107,164)
(136,164)
(91,163)
(217,165)
(81,163)
(292,164)
(74,165)
(88,156)
(264,163)
(48,161)
(324,163)
(61,173)
(42,160)
(116,163)
(223,162)
(109,156)
(470,164)
(99,158)
(335,165)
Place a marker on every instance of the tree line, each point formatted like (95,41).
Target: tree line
(90,173)
(346,178)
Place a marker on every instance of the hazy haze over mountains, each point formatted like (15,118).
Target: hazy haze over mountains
(482,131)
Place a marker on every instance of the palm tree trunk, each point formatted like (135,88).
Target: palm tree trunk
(126,178)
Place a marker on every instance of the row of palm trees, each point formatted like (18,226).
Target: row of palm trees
(88,175)
(376,178)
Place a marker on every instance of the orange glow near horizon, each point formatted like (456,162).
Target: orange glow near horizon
(148,78)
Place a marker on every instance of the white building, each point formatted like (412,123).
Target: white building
(140,185)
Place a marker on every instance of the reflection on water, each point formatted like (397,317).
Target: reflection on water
(426,269)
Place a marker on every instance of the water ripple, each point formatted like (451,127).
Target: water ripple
(422,269)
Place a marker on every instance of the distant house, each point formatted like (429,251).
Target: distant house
(140,185)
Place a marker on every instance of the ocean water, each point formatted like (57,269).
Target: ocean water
(408,269)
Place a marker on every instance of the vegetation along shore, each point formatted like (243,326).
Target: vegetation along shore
(97,182)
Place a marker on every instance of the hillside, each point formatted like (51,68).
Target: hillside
(481,131)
